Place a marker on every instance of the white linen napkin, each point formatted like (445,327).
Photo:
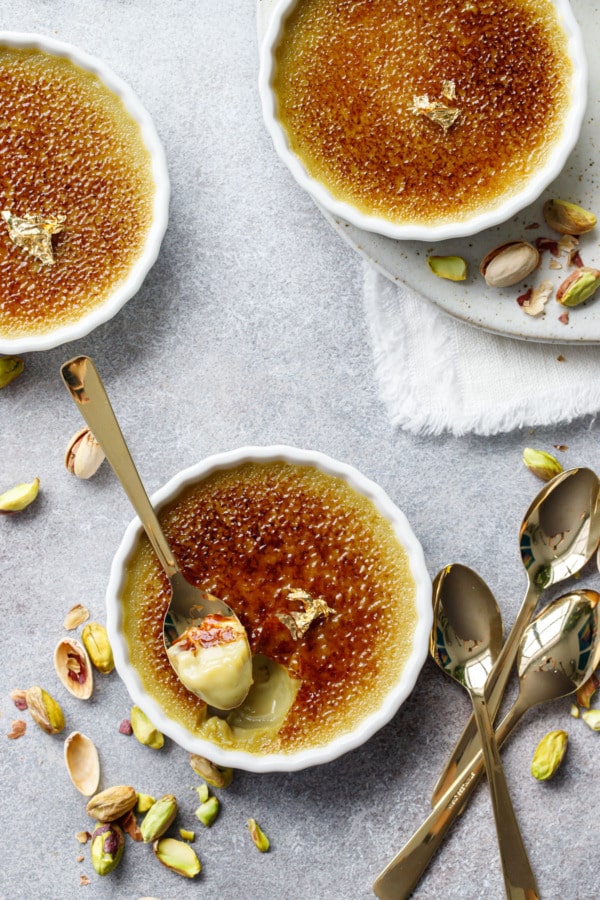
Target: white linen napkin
(437,374)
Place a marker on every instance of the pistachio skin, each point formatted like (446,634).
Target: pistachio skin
(106,848)
(568,218)
(578,287)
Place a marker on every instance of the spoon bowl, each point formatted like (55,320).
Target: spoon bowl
(228,680)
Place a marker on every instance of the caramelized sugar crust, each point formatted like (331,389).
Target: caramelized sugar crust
(68,147)
(248,536)
(347,74)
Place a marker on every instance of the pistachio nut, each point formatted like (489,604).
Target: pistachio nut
(203,792)
(82,762)
(208,811)
(578,287)
(76,616)
(587,690)
(106,848)
(452,268)
(568,218)
(509,263)
(95,639)
(216,776)
(158,818)
(73,667)
(112,803)
(177,856)
(144,802)
(259,838)
(84,455)
(541,464)
(144,730)
(574,711)
(19,497)
(591,717)
(44,709)
(187,835)
(10,368)
(549,755)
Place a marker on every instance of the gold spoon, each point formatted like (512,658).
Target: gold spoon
(559,651)
(189,604)
(466,640)
(559,534)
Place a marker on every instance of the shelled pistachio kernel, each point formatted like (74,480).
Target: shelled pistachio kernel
(10,368)
(203,792)
(18,498)
(216,776)
(187,835)
(578,287)
(549,754)
(44,709)
(144,802)
(208,811)
(541,464)
(144,730)
(259,838)
(111,804)
(177,856)
(106,848)
(95,640)
(159,818)
(591,717)
(568,218)
(452,268)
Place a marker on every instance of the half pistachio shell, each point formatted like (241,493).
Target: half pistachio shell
(74,668)
(82,762)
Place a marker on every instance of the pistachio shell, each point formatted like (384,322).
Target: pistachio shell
(84,455)
(453,268)
(568,218)
(74,668)
(83,764)
(509,263)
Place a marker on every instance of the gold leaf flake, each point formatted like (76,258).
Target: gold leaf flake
(442,115)
(534,306)
(449,90)
(34,233)
(299,622)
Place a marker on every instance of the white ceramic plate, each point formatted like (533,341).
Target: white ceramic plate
(472,301)
(377,717)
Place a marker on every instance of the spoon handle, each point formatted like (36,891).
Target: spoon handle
(519,879)
(400,877)
(468,744)
(85,387)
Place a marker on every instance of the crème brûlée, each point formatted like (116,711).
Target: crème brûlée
(318,579)
(70,151)
(422,111)
(213,660)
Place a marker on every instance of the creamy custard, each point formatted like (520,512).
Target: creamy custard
(68,147)
(252,536)
(351,77)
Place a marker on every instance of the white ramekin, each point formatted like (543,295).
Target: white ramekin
(421,232)
(281,762)
(160,206)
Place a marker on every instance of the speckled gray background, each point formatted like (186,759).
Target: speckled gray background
(250,329)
